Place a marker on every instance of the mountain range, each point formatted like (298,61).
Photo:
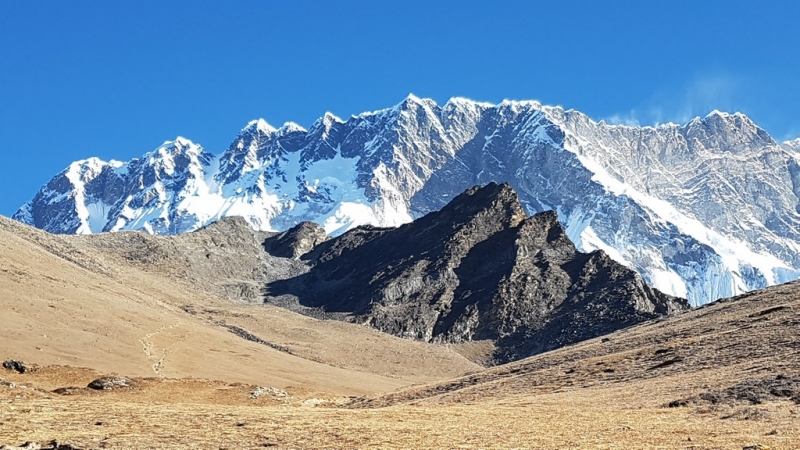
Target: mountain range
(121,340)
(702,210)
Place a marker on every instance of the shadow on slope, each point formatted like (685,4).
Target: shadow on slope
(479,269)
(727,351)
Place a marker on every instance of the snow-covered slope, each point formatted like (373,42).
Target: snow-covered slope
(702,210)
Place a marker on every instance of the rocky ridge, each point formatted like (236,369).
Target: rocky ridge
(479,269)
(702,210)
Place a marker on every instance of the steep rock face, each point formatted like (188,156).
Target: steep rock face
(296,241)
(720,179)
(478,269)
(703,210)
(93,196)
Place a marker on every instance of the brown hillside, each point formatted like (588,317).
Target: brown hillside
(67,305)
(731,371)
(752,337)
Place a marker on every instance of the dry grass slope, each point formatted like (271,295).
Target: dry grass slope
(89,310)
(80,313)
(751,337)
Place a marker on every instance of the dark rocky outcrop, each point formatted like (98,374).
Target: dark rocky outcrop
(753,392)
(478,269)
(226,258)
(52,445)
(246,335)
(19,366)
(110,383)
(296,241)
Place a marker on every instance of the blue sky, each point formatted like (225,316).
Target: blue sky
(115,79)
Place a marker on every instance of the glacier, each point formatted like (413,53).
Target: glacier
(702,210)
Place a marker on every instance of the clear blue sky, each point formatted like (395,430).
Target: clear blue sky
(115,79)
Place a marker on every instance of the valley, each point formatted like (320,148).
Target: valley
(610,392)
(204,362)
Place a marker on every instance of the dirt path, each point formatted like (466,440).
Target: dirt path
(152,352)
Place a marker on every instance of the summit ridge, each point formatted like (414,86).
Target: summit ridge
(702,210)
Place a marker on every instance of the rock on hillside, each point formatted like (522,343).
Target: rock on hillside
(479,269)
(226,258)
(297,241)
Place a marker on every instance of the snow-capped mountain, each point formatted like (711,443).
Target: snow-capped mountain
(703,210)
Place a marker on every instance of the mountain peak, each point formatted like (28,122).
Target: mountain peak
(717,113)
(467,273)
(793,142)
(323,126)
(496,199)
(84,170)
(657,199)
(532,103)
(329,118)
(181,141)
(258,125)
(289,127)
(736,117)
(464,101)
(412,102)
(91,163)
(411,98)
(179,146)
